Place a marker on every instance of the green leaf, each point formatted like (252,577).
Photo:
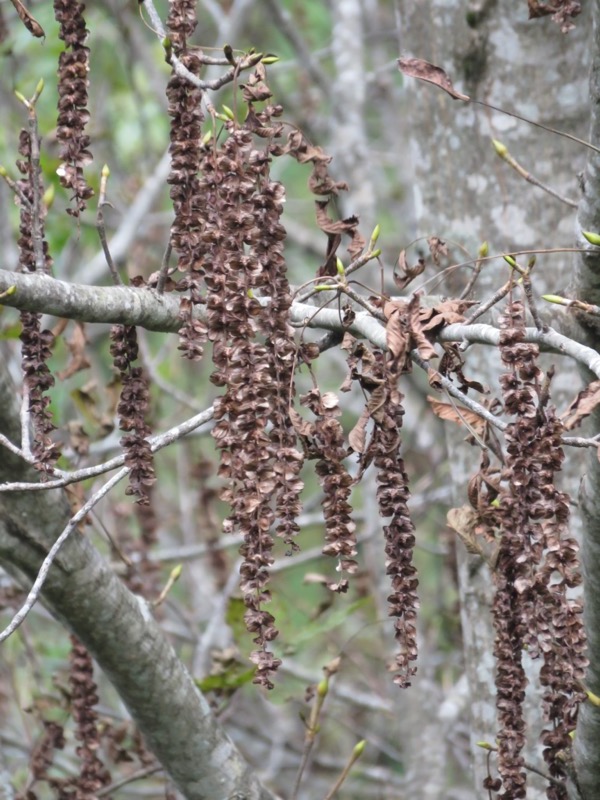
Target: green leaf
(233,678)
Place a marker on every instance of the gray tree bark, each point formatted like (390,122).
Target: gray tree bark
(586,286)
(118,629)
(463,192)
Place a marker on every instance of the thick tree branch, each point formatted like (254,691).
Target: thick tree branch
(160,312)
(118,629)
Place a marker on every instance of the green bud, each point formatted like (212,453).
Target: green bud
(483,250)
(510,260)
(376,253)
(250,294)
(340,267)
(322,287)
(39,88)
(48,197)
(485,745)
(375,234)
(222,117)
(207,137)
(593,238)
(531,262)
(593,698)
(176,572)
(555,298)
(500,148)
(270,59)
(323,688)
(105,171)
(3,172)
(21,98)
(228,112)
(359,748)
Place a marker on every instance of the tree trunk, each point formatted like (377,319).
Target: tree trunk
(463,192)
(118,629)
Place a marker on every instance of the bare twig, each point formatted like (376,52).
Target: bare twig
(156,443)
(164,269)
(502,151)
(38,584)
(102,229)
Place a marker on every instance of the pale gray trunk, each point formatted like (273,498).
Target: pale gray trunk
(464,193)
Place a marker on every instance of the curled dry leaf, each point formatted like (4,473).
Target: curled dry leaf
(437,248)
(358,434)
(403,273)
(78,360)
(32,25)
(466,523)
(333,228)
(424,71)
(563,12)
(582,406)
(445,313)
(404,332)
(462,416)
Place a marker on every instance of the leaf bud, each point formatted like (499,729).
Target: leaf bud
(593,238)
(48,196)
(500,148)
(359,748)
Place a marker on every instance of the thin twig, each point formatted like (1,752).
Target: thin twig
(101,228)
(494,299)
(473,406)
(512,162)
(164,268)
(156,443)
(38,584)
(136,776)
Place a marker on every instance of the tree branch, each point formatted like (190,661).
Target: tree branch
(118,629)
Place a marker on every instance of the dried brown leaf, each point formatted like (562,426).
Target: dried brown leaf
(348,226)
(78,360)
(32,25)
(464,522)
(537,9)
(301,426)
(437,248)
(582,406)
(419,340)
(424,71)
(403,273)
(445,313)
(397,332)
(358,434)
(466,417)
